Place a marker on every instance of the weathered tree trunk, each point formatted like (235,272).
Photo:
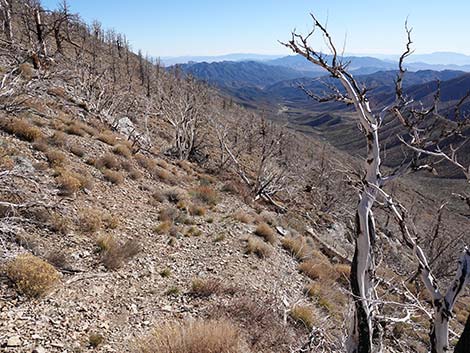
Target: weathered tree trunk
(7,24)
(463,346)
(40,32)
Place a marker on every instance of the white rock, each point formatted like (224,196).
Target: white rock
(14,341)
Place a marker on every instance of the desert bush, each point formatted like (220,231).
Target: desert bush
(219,238)
(165,273)
(173,291)
(298,247)
(90,221)
(343,271)
(206,180)
(110,221)
(168,214)
(163,227)
(328,297)
(318,270)
(145,162)
(58,139)
(258,247)
(205,287)
(201,336)
(264,231)
(21,128)
(107,137)
(108,161)
(303,314)
(115,254)
(57,258)
(40,146)
(197,210)
(75,128)
(77,150)
(163,176)
(113,176)
(59,224)
(267,217)
(205,194)
(135,174)
(122,150)
(95,339)
(163,164)
(243,217)
(68,183)
(31,275)
(185,165)
(26,71)
(55,157)
(193,232)
(175,195)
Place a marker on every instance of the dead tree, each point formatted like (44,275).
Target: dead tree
(365,334)
(7,9)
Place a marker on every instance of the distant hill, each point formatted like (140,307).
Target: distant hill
(231,74)
(169,61)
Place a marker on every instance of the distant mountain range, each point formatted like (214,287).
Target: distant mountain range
(170,60)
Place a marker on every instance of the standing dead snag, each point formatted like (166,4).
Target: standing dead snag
(365,334)
(364,326)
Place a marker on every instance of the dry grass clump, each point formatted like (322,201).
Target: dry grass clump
(75,128)
(134,174)
(318,270)
(32,276)
(113,176)
(58,139)
(258,247)
(205,287)
(303,314)
(21,128)
(174,195)
(114,254)
(145,162)
(267,217)
(197,210)
(40,146)
(264,231)
(90,221)
(230,187)
(298,247)
(95,339)
(344,272)
(193,232)
(77,150)
(122,150)
(205,179)
(163,175)
(68,183)
(26,71)
(243,217)
(108,137)
(59,224)
(205,194)
(168,214)
(328,297)
(107,161)
(55,157)
(200,336)
(163,227)
(110,221)
(185,165)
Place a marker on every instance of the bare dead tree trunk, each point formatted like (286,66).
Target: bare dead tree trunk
(463,345)
(40,32)
(7,23)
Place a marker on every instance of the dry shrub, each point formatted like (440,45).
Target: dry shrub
(264,231)
(267,217)
(77,150)
(243,217)
(205,179)
(57,91)
(168,214)
(158,196)
(197,210)
(205,194)
(304,315)
(193,232)
(75,129)
(205,287)
(95,339)
(110,221)
(175,195)
(145,162)
(113,176)
(58,139)
(58,259)
(163,175)
(107,161)
(258,247)
(90,221)
(185,165)
(318,270)
(40,146)
(21,128)
(135,174)
(163,227)
(59,224)
(32,276)
(122,150)
(116,254)
(261,320)
(200,336)
(68,183)
(162,163)
(108,137)
(328,297)
(55,158)
(298,247)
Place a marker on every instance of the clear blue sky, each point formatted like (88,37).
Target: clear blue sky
(214,27)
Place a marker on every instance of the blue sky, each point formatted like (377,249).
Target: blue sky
(215,27)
